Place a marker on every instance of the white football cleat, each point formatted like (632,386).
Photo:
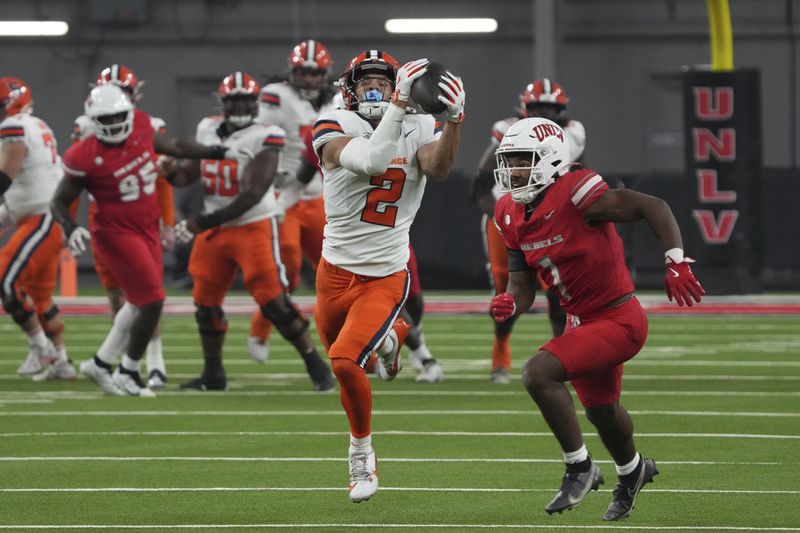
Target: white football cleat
(432,372)
(389,363)
(38,358)
(100,373)
(500,376)
(258,349)
(157,379)
(59,370)
(363,476)
(130,382)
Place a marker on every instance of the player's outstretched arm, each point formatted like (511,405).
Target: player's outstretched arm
(184,147)
(68,190)
(256,181)
(178,172)
(436,159)
(625,205)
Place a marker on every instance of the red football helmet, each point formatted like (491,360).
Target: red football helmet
(367,62)
(122,77)
(238,83)
(15,96)
(310,54)
(544,92)
(239,112)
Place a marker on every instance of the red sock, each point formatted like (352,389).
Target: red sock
(356,395)
(501,353)
(259,326)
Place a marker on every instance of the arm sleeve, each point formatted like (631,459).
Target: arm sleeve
(12,132)
(372,156)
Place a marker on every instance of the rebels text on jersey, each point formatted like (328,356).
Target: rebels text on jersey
(368,217)
(33,187)
(586,264)
(121,178)
(221,178)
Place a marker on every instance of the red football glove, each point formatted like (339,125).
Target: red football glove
(681,283)
(503,307)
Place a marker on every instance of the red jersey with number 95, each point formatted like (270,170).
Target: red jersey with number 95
(585,264)
(121,178)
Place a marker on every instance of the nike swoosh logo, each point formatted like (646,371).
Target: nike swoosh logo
(410,132)
(548,215)
(674,274)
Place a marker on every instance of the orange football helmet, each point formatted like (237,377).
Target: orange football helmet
(310,54)
(367,62)
(544,92)
(122,77)
(15,96)
(238,93)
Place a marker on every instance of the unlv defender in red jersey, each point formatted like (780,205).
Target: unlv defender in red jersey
(117,166)
(557,219)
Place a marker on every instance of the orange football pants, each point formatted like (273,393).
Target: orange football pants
(219,252)
(29,260)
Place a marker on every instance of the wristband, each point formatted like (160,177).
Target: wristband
(218,151)
(209,220)
(674,254)
(5,182)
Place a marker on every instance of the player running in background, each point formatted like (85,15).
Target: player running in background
(541,98)
(125,79)
(239,231)
(30,170)
(558,221)
(117,166)
(294,106)
(375,161)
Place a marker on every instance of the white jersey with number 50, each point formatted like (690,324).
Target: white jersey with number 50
(369,217)
(33,187)
(221,178)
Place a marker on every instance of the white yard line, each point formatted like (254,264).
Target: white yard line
(396,526)
(388,412)
(424,460)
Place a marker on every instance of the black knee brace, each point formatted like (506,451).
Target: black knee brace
(211,320)
(284,314)
(50,325)
(18,306)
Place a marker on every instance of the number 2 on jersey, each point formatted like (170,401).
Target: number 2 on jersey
(377,211)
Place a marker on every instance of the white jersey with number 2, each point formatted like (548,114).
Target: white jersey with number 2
(369,217)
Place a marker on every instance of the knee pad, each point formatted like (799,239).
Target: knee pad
(211,320)
(287,318)
(51,321)
(18,306)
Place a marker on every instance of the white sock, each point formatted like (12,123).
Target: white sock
(422,353)
(362,445)
(116,342)
(155,356)
(624,470)
(38,338)
(129,364)
(62,354)
(579,455)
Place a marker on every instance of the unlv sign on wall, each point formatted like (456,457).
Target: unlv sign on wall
(723,167)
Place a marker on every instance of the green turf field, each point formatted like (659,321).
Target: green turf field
(716,401)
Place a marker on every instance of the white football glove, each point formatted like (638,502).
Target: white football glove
(182,233)
(406,76)
(454,96)
(238,153)
(76,242)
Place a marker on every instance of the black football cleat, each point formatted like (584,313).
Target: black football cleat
(574,488)
(319,372)
(627,490)
(207,382)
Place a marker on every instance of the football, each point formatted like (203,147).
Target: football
(425,90)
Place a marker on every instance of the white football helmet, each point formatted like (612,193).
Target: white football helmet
(104,102)
(545,144)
